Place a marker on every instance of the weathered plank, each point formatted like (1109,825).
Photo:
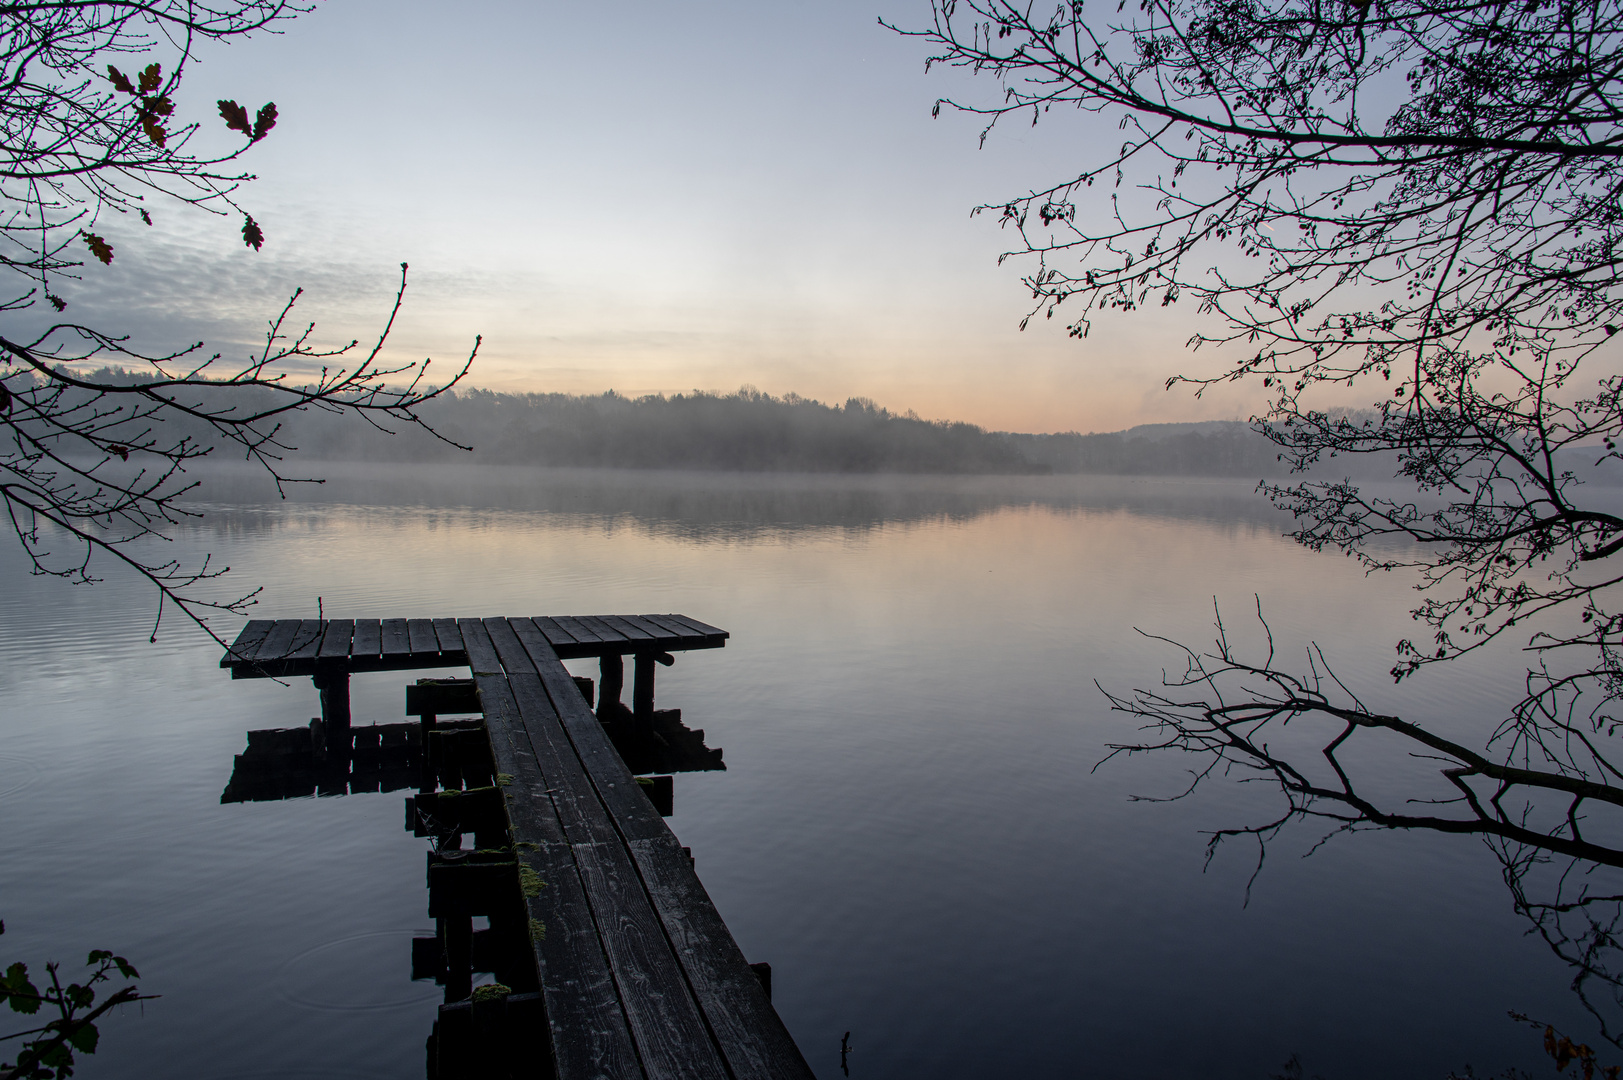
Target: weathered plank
(604,632)
(747,1028)
(279,641)
(686,636)
(665,1021)
(652,629)
(628,630)
(590,1036)
(248,642)
(395,639)
(335,642)
(555,633)
(702,629)
(579,630)
(307,641)
(629,808)
(450,638)
(367,644)
(583,817)
(420,636)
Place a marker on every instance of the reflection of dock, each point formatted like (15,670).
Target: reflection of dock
(609,956)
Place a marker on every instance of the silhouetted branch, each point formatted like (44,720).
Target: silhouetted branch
(104,463)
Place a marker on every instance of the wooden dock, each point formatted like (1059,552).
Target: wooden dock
(612,959)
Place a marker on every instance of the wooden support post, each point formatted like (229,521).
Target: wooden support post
(642,687)
(334,687)
(429,777)
(612,679)
(642,692)
(458,934)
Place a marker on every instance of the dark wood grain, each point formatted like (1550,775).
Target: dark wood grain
(555,633)
(662,636)
(335,642)
(629,630)
(396,641)
(277,642)
(590,1037)
(583,817)
(686,635)
(632,813)
(702,629)
(368,640)
(450,638)
(747,1029)
(307,641)
(248,642)
(580,631)
(665,1021)
(671,1036)
(420,637)
(605,633)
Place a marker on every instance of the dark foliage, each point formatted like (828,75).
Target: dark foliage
(1421,198)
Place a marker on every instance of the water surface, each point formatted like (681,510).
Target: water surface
(910,828)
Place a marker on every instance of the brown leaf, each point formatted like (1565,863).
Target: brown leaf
(154,130)
(119,80)
(5,399)
(100,248)
(57,302)
(146,217)
(264,121)
(158,106)
(235,117)
(151,78)
(123,452)
(252,235)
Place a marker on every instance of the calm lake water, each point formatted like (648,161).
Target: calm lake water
(909,828)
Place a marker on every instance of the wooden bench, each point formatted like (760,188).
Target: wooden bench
(638,975)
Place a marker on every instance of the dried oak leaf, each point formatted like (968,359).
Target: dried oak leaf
(264,121)
(57,302)
(235,117)
(154,130)
(100,248)
(252,234)
(119,80)
(151,78)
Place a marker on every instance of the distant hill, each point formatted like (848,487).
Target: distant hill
(749,431)
(1214,448)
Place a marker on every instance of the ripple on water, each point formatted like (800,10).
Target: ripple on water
(342,974)
(18,772)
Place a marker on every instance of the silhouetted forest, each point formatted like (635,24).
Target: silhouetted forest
(749,431)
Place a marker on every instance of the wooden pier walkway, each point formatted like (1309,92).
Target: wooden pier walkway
(634,971)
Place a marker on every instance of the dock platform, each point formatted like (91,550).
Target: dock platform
(613,960)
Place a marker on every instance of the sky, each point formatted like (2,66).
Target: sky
(649,198)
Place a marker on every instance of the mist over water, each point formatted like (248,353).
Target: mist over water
(910,828)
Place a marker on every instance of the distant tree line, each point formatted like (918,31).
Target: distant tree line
(751,431)
(1216,448)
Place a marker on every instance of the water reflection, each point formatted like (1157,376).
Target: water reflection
(700,507)
(447,756)
(908,828)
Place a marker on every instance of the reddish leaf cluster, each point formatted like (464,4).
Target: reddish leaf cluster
(100,248)
(1565,1052)
(236,119)
(153,106)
